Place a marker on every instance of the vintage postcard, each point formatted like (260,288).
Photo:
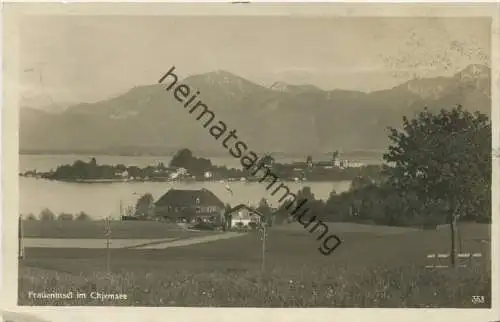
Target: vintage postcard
(317,156)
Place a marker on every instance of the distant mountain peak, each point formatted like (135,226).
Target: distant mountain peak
(218,77)
(223,72)
(285,87)
(218,74)
(474,71)
(280,87)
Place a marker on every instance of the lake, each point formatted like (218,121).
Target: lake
(103,199)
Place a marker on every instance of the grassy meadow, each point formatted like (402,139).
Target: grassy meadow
(96,229)
(369,269)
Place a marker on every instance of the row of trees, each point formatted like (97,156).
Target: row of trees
(47,215)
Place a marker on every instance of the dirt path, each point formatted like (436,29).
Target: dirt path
(189,241)
(88,243)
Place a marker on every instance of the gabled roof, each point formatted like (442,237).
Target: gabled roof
(243,206)
(175,197)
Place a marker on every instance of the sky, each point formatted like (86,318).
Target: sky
(71,59)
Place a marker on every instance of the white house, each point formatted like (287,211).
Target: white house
(243,216)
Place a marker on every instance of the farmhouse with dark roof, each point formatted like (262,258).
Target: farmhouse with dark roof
(189,206)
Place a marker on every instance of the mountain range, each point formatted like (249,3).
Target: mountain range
(281,118)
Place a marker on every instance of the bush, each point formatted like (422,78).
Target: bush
(82,216)
(30,216)
(65,216)
(46,215)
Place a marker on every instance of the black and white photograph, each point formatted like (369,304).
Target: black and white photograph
(251,160)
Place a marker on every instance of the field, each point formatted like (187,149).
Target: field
(370,269)
(95,229)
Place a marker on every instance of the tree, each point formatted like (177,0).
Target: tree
(305,193)
(267,161)
(78,169)
(161,166)
(444,157)
(263,206)
(82,216)
(264,209)
(30,216)
(181,158)
(129,211)
(46,215)
(360,182)
(227,217)
(184,159)
(65,216)
(144,206)
(134,171)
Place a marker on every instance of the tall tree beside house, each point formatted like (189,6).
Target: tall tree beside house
(266,211)
(227,217)
(144,206)
(444,157)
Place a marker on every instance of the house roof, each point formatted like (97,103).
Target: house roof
(175,197)
(245,207)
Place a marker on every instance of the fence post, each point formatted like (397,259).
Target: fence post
(264,237)
(107,228)
(20,238)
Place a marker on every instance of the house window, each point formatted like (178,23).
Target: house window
(197,201)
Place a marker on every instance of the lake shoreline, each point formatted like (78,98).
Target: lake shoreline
(127,180)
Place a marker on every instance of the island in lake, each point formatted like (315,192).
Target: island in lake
(184,166)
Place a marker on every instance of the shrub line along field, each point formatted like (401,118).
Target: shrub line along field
(368,270)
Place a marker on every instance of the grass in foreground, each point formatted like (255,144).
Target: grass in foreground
(407,286)
(366,271)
